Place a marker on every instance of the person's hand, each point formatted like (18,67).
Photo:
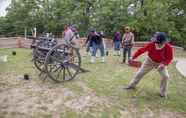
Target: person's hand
(131,45)
(122,44)
(161,66)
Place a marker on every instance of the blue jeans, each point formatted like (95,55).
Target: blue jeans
(98,46)
(126,51)
(117,45)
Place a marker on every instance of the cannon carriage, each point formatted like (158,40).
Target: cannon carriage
(59,62)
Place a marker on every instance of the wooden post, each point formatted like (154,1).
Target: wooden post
(25,33)
(35,32)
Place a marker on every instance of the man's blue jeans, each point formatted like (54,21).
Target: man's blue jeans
(126,51)
(98,46)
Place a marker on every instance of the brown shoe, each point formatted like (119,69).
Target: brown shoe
(162,96)
(129,88)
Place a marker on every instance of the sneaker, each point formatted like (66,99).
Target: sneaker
(122,62)
(102,59)
(119,53)
(126,62)
(92,59)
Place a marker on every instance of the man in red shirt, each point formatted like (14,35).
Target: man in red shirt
(160,55)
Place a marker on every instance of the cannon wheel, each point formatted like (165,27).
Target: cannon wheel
(39,58)
(62,63)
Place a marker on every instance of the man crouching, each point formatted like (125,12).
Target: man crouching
(160,55)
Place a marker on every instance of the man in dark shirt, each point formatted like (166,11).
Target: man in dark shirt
(88,42)
(97,43)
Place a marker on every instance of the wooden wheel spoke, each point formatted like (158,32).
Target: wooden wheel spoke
(54,67)
(56,59)
(64,73)
(74,66)
(50,67)
(59,72)
(62,63)
(69,72)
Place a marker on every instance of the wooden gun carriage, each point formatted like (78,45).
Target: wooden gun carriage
(59,62)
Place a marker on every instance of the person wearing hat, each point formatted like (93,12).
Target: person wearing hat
(127,43)
(97,44)
(160,55)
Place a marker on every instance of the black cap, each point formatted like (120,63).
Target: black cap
(160,38)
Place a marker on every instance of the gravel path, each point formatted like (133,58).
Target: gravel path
(181,66)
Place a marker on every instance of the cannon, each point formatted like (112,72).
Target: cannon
(40,47)
(59,62)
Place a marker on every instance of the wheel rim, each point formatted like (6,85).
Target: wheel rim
(39,56)
(39,59)
(62,63)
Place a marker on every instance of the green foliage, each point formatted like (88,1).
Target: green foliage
(106,15)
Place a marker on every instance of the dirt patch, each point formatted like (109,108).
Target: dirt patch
(88,102)
(168,114)
(28,98)
(83,103)
(34,98)
(147,112)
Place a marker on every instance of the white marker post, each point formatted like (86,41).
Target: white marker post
(35,32)
(25,33)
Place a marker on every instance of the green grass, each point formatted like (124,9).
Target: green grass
(21,63)
(107,81)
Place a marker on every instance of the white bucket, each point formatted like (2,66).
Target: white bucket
(4,58)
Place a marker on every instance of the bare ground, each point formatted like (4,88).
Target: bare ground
(28,98)
(37,99)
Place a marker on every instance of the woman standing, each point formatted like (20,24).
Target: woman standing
(117,42)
